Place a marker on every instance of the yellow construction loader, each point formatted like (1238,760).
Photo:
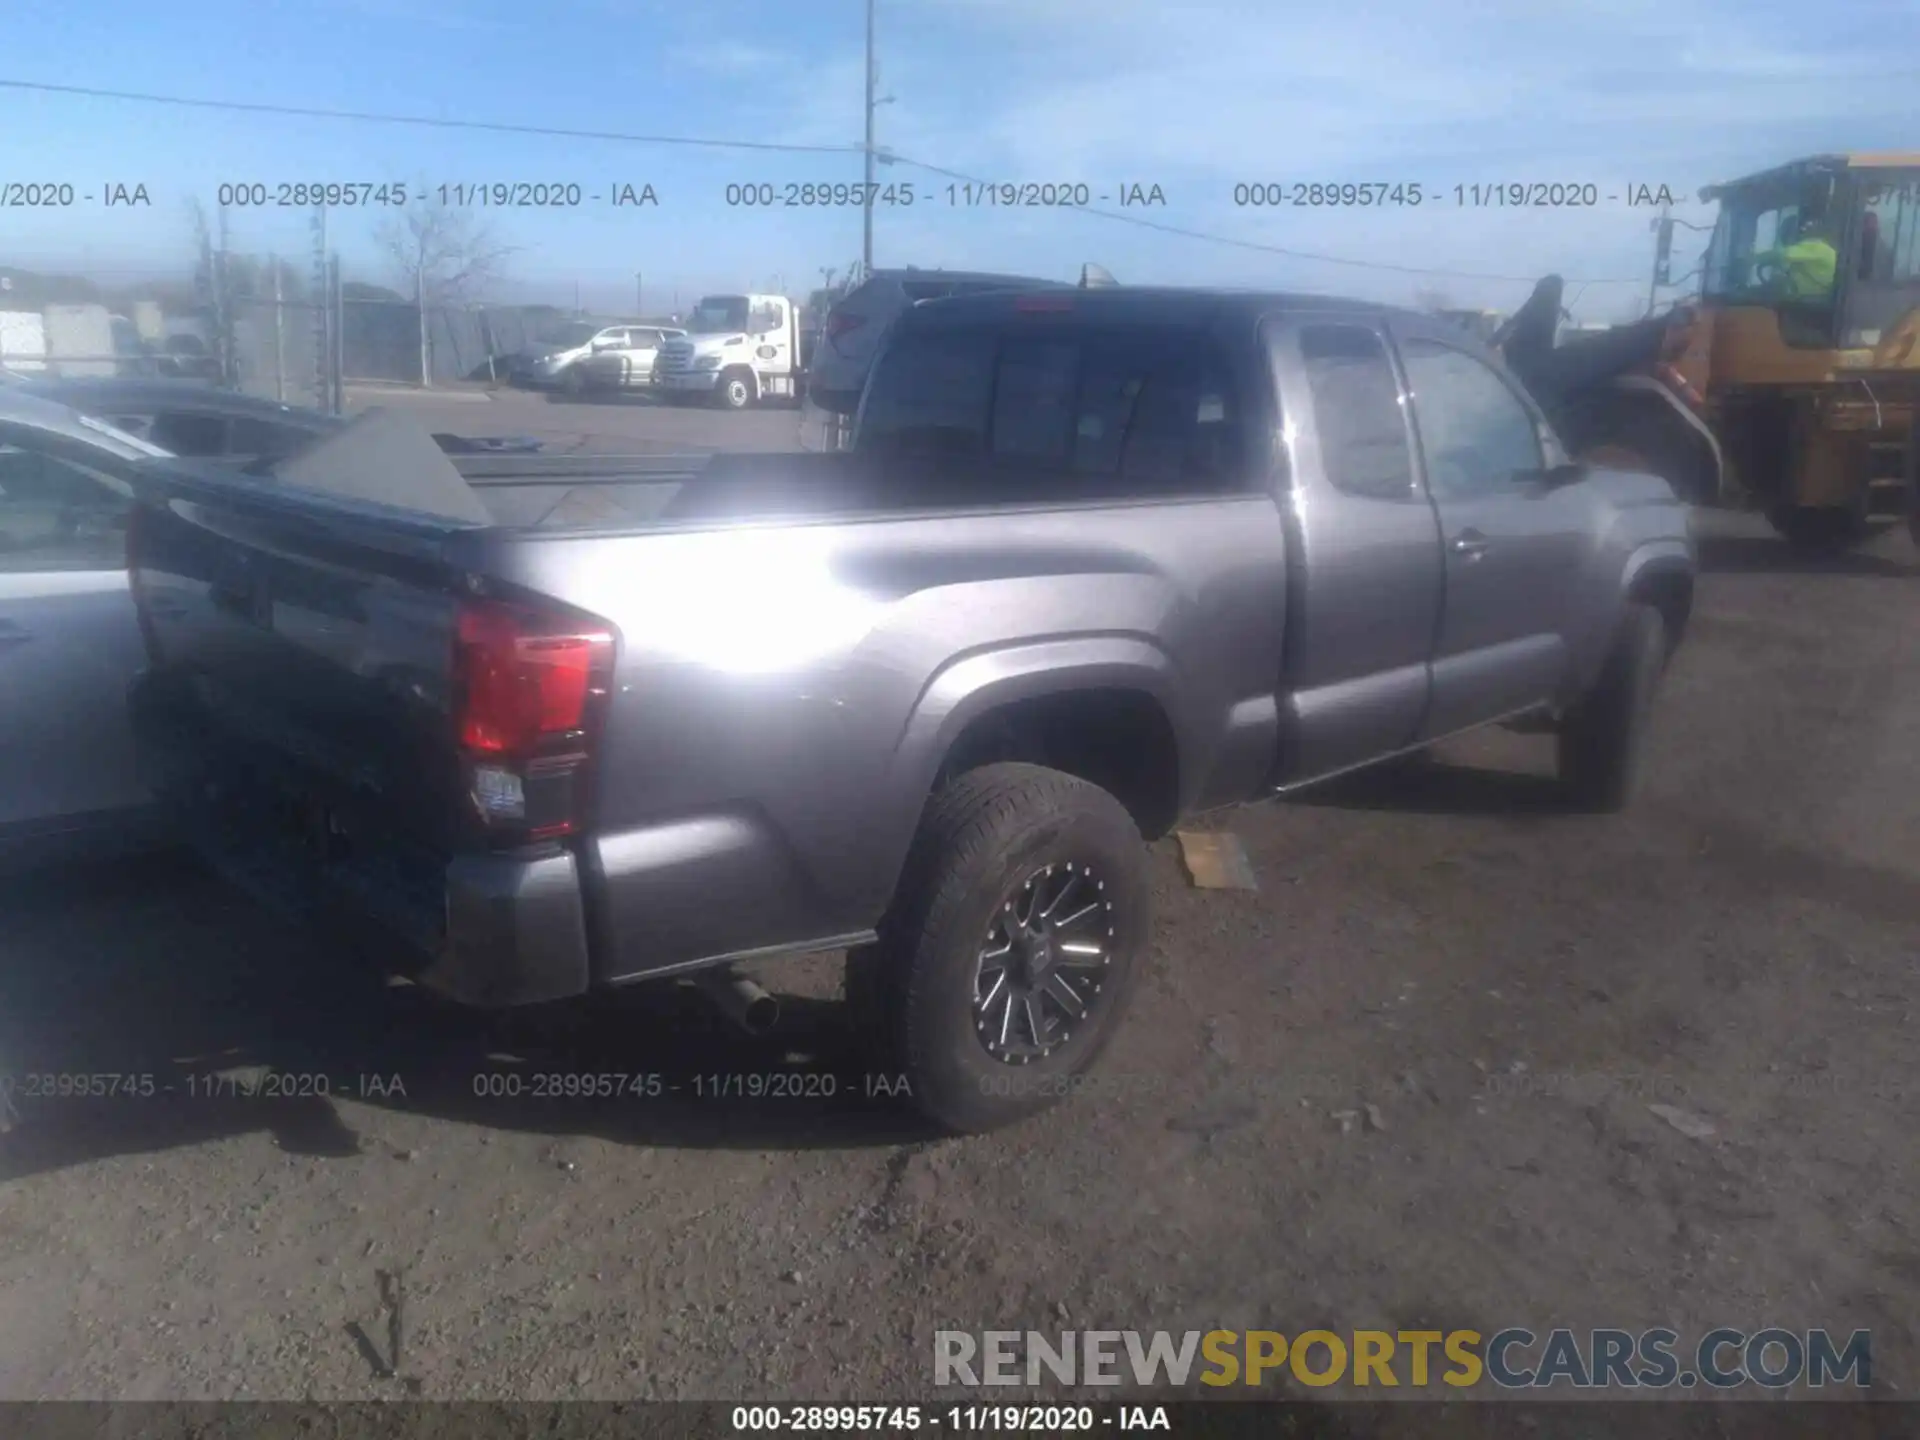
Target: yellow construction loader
(1791,383)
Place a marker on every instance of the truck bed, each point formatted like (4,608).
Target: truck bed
(756,714)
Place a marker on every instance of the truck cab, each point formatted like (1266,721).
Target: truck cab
(738,351)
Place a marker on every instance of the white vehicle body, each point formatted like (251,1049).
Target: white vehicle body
(738,350)
(82,340)
(23,340)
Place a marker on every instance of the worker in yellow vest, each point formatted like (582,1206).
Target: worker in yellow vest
(1805,271)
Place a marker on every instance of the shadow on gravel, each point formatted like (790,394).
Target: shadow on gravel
(1763,555)
(1423,785)
(144,1007)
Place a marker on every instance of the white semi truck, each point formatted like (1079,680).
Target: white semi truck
(738,351)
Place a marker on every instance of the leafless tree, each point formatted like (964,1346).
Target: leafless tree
(444,255)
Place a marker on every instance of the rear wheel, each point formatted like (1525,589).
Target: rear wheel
(1012,947)
(1601,742)
(1818,529)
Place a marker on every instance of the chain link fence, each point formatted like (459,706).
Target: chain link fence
(289,346)
(384,340)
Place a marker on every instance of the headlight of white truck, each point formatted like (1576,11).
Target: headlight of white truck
(706,362)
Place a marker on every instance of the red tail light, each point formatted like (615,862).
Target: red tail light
(524,687)
(520,685)
(840,323)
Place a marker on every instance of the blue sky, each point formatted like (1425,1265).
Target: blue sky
(1193,97)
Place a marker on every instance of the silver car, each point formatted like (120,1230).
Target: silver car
(69,639)
(69,643)
(626,361)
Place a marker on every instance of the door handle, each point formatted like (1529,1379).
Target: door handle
(1470,543)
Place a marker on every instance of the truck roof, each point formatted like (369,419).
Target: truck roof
(970,277)
(1165,303)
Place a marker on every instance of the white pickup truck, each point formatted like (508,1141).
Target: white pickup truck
(738,350)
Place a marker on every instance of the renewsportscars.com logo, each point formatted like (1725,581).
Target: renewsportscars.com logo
(1512,1359)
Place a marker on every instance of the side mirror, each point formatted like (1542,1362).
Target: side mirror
(1551,477)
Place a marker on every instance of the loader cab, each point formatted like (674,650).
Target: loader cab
(1883,286)
(1832,248)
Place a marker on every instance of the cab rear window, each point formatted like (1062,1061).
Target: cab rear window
(1151,408)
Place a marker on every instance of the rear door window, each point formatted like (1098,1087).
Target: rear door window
(1357,412)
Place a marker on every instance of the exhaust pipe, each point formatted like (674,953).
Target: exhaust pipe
(740,1000)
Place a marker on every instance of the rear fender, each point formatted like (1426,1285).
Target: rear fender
(1655,571)
(978,684)
(1661,572)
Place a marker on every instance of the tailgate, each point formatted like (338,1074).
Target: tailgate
(340,705)
(304,640)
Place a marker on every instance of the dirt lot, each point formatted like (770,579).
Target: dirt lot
(1509,987)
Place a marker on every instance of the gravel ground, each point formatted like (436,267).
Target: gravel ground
(1508,987)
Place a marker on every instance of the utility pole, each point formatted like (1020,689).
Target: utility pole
(1662,256)
(279,334)
(323,337)
(222,305)
(866,215)
(420,304)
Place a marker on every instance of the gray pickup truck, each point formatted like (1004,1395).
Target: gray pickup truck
(1095,560)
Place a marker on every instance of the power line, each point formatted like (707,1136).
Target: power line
(1263,247)
(501,127)
(434,122)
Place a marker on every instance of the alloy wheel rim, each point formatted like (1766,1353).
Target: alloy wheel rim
(1042,971)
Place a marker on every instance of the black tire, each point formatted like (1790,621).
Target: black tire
(735,390)
(987,839)
(1601,743)
(1818,529)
